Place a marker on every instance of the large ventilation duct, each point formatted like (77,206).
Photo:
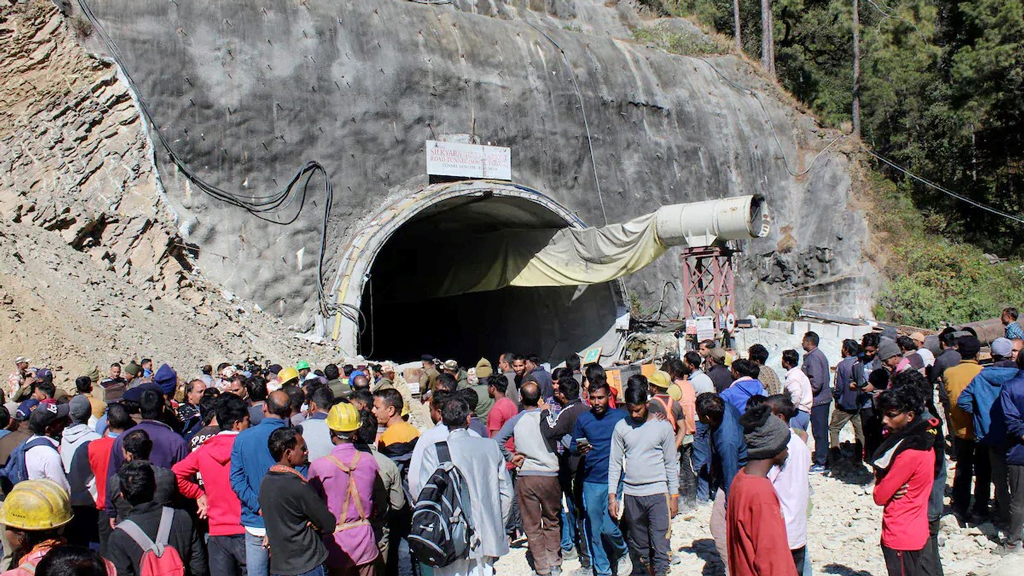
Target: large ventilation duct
(702,224)
(533,258)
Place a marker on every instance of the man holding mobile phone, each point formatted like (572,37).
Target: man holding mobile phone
(592,438)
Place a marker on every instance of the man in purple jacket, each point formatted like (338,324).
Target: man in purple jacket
(169,447)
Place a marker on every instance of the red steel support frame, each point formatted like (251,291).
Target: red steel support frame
(708,283)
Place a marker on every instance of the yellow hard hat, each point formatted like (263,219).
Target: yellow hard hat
(343,417)
(287,374)
(660,378)
(36,505)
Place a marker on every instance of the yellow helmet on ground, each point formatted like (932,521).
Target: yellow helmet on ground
(286,374)
(36,505)
(343,417)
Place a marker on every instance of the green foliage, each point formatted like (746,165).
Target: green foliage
(941,94)
(947,283)
(678,42)
(941,86)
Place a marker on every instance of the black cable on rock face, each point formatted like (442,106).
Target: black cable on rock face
(263,207)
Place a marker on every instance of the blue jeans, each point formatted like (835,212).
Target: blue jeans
(801,421)
(702,461)
(257,558)
(227,555)
(603,533)
(568,527)
(318,571)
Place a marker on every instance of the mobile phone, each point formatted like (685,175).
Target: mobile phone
(582,442)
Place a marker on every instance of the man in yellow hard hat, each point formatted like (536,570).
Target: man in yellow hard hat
(34,515)
(288,376)
(345,479)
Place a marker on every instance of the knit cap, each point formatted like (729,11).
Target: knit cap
(166,378)
(80,409)
(766,435)
(887,349)
(132,368)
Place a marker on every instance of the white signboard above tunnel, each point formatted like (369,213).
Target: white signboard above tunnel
(468,161)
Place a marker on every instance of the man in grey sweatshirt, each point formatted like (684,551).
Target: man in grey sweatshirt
(650,482)
(539,493)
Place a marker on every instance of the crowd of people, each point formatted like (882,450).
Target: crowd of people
(291,470)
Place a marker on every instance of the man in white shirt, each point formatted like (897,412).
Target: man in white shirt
(438,433)
(798,386)
(47,422)
(792,483)
(926,354)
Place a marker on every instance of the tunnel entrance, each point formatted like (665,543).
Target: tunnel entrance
(416,298)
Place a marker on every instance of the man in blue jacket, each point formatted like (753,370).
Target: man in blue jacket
(250,461)
(744,384)
(848,393)
(1011,399)
(728,455)
(981,400)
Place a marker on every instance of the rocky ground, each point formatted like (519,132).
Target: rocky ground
(843,531)
(92,268)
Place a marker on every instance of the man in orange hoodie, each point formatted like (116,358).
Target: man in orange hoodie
(217,502)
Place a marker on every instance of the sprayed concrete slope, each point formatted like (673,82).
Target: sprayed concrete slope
(248,90)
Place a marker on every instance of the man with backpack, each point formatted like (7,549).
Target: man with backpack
(154,540)
(346,480)
(477,474)
(42,461)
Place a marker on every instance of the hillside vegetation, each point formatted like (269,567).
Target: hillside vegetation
(940,94)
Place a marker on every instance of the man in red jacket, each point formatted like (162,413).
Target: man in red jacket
(216,500)
(118,420)
(904,471)
(757,540)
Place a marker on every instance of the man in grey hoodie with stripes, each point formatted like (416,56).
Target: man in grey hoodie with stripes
(539,493)
(650,482)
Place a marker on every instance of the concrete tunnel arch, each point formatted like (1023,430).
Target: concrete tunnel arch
(398,244)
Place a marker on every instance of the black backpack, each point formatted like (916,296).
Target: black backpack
(441,532)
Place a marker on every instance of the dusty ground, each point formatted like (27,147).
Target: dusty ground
(843,531)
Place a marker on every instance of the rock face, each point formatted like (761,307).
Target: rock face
(247,92)
(92,269)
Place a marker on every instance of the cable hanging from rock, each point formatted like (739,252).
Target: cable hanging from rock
(262,207)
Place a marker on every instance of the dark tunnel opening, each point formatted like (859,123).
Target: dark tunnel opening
(442,245)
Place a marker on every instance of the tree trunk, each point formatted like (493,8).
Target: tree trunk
(736,18)
(856,68)
(767,38)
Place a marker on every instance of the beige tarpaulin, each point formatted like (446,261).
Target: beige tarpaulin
(546,257)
